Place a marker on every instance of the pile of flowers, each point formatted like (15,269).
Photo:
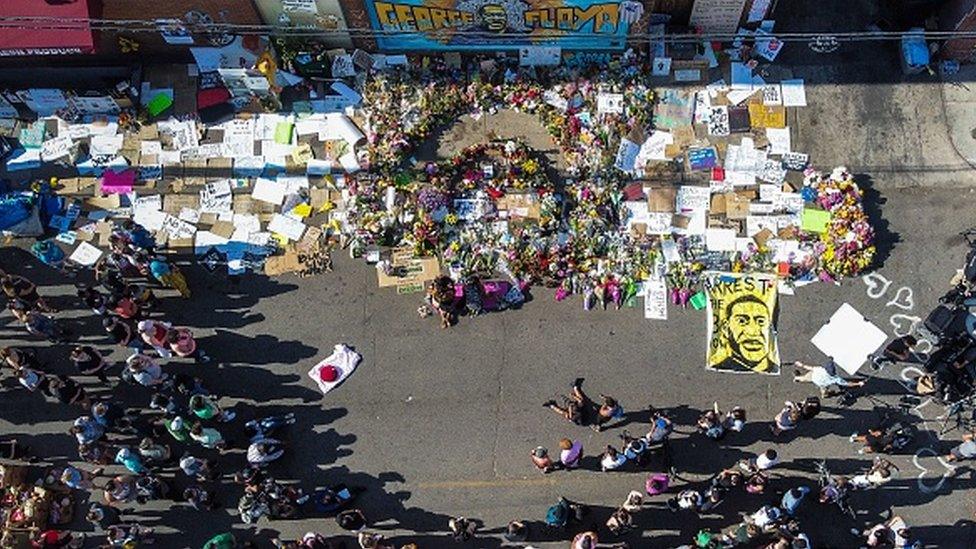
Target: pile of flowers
(404,107)
(847,247)
(577,240)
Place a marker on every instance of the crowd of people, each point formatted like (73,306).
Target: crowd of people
(174,444)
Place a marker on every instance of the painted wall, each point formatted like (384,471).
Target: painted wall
(327,15)
(483,25)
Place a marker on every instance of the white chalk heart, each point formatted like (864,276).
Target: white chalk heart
(925,485)
(904,299)
(903,324)
(874,281)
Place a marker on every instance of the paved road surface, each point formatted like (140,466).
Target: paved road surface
(437,423)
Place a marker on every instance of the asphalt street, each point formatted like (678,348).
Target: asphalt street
(437,423)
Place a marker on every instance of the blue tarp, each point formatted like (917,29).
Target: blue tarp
(14,208)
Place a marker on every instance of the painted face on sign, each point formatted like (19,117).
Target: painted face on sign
(747,331)
(493,18)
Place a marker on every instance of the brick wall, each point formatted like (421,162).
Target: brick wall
(959,15)
(152,45)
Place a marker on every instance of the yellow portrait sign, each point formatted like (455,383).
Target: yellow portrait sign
(741,330)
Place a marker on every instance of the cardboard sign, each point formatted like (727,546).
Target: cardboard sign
(718,122)
(767,46)
(767,116)
(56,148)
(626,155)
(415,270)
(661,200)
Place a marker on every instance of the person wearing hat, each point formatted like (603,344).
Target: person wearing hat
(541,459)
(145,371)
(182,343)
(571,453)
(177,428)
(153,333)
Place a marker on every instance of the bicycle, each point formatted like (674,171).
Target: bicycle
(834,491)
(954,412)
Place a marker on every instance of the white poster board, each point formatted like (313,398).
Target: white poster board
(531,56)
(717,16)
(848,338)
(655,299)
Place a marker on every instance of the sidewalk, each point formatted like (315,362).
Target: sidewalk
(959,99)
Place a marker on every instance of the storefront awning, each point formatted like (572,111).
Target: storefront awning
(39,27)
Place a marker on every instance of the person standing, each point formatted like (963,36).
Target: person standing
(792,498)
(121,333)
(89,362)
(182,343)
(18,287)
(145,371)
(205,407)
(153,333)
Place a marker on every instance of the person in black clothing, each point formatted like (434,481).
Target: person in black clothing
(66,391)
(577,408)
(876,441)
(89,362)
(121,333)
(899,350)
(352,519)
(93,299)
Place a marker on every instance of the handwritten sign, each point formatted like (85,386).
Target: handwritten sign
(702,159)
(717,16)
(626,155)
(655,299)
(59,147)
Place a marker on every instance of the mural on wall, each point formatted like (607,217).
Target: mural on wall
(500,24)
